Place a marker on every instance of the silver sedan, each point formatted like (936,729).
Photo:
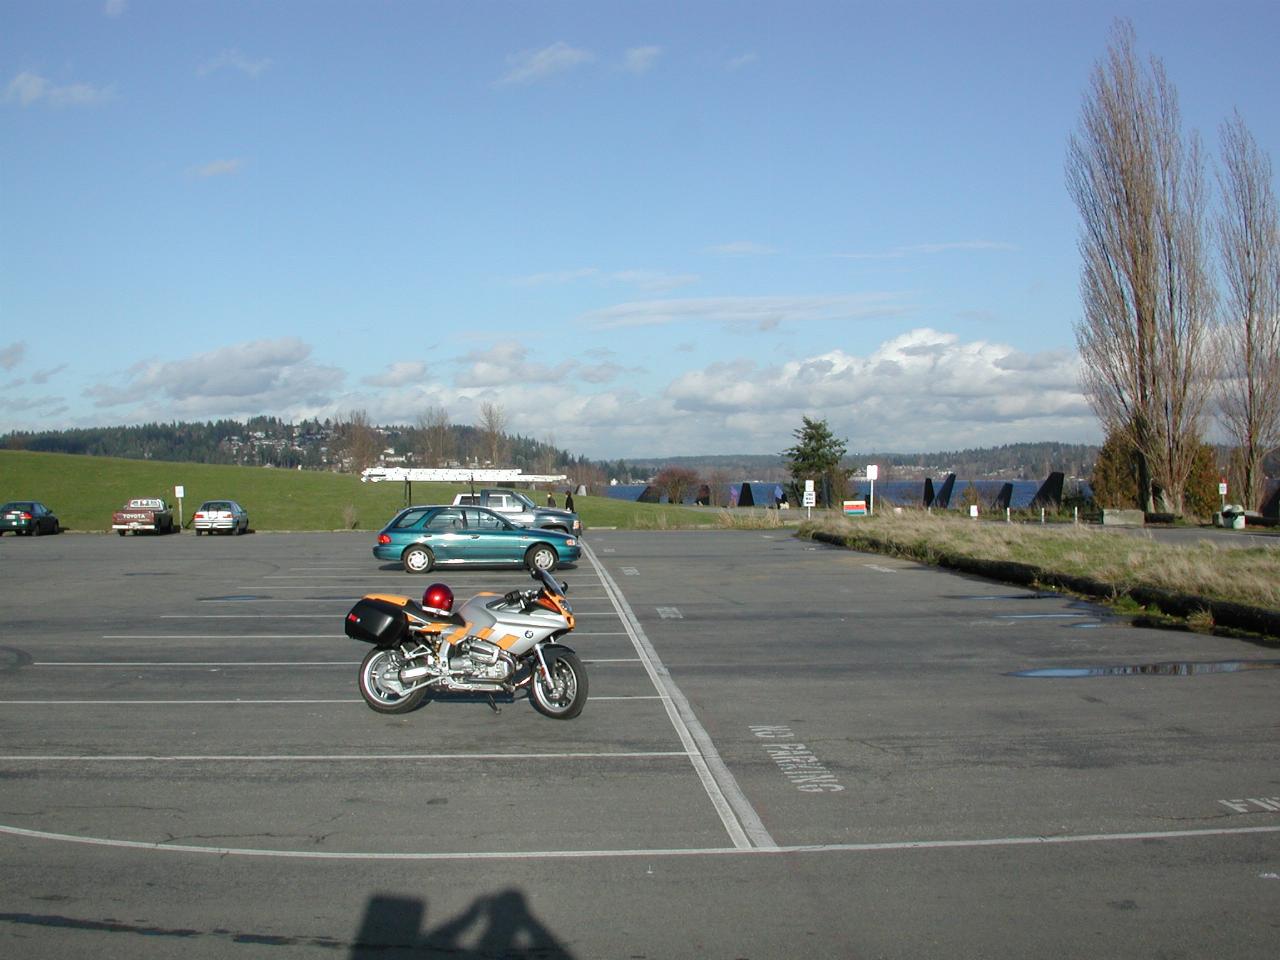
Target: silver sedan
(224,516)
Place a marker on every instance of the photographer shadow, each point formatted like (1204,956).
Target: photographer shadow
(492,926)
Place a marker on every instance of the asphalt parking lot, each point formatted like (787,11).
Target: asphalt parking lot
(789,750)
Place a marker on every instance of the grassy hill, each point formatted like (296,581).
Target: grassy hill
(84,491)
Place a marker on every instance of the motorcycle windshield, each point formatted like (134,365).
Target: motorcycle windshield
(550,584)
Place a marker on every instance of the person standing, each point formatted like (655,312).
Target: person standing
(568,500)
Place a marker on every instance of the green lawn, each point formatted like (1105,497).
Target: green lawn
(84,491)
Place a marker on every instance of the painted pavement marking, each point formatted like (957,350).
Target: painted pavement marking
(740,819)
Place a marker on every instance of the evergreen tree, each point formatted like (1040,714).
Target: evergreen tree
(1115,474)
(816,456)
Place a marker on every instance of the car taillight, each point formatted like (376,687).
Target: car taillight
(25,516)
(383,539)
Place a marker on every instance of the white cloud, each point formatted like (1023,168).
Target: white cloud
(641,59)
(763,313)
(400,374)
(655,279)
(237,61)
(652,280)
(743,60)
(42,376)
(555,278)
(29,88)
(12,355)
(30,413)
(243,379)
(921,390)
(927,249)
(532,66)
(217,168)
(504,363)
(741,248)
(115,8)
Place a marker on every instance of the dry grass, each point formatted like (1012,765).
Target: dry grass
(749,519)
(1238,574)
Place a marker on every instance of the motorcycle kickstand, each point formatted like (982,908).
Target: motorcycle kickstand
(493,706)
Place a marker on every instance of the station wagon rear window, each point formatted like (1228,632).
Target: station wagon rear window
(410,518)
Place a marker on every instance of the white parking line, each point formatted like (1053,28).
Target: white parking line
(237,702)
(248,663)
(247,616)
(197,663)
(828,848)
(220,636)
(326,757)
(736,813)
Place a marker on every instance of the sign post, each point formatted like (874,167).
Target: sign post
(873,474)
(810,499)
(179,492)
(1222,492)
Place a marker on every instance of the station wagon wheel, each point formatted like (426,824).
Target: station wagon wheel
(417,560)
(540,557)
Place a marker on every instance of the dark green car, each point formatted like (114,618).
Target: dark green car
(421,538)
(28,517)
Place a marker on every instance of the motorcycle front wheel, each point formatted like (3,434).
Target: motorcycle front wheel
(380,684)
(566,695)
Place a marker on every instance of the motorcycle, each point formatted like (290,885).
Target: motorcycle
(492,644)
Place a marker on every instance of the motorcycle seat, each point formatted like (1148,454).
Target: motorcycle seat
(419,612)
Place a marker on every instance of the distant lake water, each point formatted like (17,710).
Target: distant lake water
(903,493)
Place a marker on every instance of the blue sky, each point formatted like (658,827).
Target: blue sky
(641,228)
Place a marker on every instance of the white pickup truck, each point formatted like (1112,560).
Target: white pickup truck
(518,508)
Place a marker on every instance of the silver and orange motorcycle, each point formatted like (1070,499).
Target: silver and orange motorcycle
(491,644)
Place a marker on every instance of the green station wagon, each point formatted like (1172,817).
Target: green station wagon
(421,538)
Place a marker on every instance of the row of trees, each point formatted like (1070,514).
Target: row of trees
(1161,342)
(436,441)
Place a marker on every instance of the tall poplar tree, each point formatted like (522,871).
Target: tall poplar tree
(1146,296)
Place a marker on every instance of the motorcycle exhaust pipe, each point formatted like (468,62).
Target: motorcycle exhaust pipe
(414,674)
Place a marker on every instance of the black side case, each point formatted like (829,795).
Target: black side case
(378,622)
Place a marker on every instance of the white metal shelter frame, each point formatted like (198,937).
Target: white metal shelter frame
(407,475)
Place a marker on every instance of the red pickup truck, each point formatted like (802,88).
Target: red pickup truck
(143,513)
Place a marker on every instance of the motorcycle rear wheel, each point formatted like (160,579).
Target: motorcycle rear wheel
(568,696)
(379,686)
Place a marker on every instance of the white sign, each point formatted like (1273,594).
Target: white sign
(179,492)
(873,471)
(810,498)
(1222,489)
(808,486)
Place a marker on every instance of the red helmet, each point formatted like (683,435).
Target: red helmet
(438,598)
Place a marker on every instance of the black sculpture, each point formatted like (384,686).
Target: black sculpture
(1049,496)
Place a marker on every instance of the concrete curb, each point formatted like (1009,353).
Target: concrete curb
(1236,616)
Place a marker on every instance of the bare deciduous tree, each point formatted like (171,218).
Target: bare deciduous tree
(434,424)
(1249,245)
(676,482)
(493,421)
(361,442)
(1148,304)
